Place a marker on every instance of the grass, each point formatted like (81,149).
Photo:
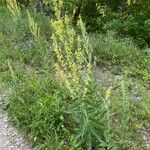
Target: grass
(121,53)
(108,115)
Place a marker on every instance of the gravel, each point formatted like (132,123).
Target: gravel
(10,138)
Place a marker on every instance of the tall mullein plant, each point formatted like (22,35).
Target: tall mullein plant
(33,26)
(15,13)
(14,9)
(39,40)
(73,66)
(108,141)
(74,69)
(125,115)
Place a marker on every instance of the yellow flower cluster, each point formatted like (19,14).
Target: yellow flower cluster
(14,9)
(130,2)
(33,26)
(58,4)
(73,66)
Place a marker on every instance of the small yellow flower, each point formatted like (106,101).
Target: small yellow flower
(108,93)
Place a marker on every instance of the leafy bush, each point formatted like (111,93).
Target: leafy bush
(130,27)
